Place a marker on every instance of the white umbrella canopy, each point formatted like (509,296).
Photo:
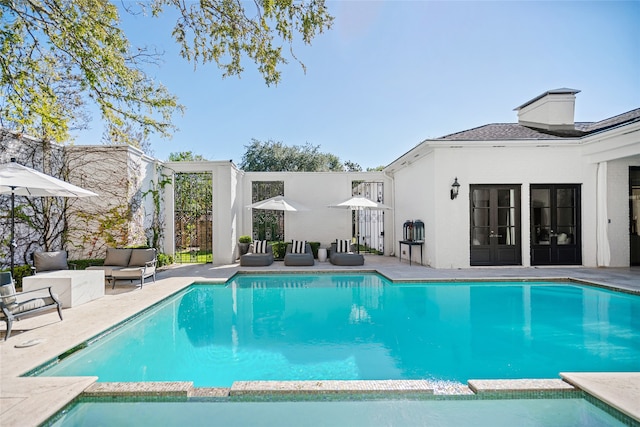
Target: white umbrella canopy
(19,180)
(23,181)
(358,203)
(278,203)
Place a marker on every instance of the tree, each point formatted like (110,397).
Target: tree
(57,56)
(185,156)
(274,156)
(352,166)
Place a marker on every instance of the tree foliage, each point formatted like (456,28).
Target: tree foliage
(274,156)
(185,156)
(59,56)
(223,31)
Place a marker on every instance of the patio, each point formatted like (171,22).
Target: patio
(31,401)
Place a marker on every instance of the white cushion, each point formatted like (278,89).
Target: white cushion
(118,257)
(139,257)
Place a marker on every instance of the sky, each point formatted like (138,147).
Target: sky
(390,74)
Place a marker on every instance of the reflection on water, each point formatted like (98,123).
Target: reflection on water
(359,326)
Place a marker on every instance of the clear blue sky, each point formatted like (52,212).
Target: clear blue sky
(390,74)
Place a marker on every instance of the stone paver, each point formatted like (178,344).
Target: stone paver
(620,390)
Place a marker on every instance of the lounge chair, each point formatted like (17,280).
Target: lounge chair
(15,306)
(344,257)
(257,259)
(298,259)
(50,261)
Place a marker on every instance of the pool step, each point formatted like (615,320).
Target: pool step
(518,388)
(240,388)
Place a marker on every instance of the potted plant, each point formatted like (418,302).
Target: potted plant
(243,244)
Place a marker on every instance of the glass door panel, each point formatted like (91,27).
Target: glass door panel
(555,224)
(480,230)
(506,217)
(634,215)
(495,225)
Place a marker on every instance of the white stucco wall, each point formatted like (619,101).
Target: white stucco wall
(121,176)
(620,148)
(415,196)
(618,209)
(447,221)
(227,214)
(316,191)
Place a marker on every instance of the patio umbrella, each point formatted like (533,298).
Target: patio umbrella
(358,203)
(278,203)
(23,181)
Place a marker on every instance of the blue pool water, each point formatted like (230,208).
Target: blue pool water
(406,413)
(362,327)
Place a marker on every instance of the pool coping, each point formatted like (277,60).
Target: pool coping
(511,388)
(31,401)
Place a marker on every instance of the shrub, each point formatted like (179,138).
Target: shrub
(279,249)
(314,248)
(244,239)
(20,271)
(164,259)
(82,264)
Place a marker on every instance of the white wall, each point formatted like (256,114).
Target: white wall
(316,191)
(618,209)
(415,195)
(227,214)
(447,221)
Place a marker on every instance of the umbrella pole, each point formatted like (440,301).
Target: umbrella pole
(358,231)
(13,244)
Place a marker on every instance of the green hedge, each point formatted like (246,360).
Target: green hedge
(279,249)
(20,271)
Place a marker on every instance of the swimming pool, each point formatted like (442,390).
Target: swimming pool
(363,327)
(460,413)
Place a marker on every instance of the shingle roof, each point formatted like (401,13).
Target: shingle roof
(514,131)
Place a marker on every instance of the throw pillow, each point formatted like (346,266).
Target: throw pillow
(50,261)
(343,246)
(260,247)
(118,257)
(7,289)
(298,246)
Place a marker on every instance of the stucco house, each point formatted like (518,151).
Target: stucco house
(545,190)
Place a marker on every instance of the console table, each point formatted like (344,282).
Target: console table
(73,287)
(411,244)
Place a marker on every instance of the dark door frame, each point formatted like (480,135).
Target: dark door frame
(634,230)
(495,228)
(557,239)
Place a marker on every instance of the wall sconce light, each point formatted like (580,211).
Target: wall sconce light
(454,189)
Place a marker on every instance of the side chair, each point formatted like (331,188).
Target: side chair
(15,306)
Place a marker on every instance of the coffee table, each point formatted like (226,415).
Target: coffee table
(73,287)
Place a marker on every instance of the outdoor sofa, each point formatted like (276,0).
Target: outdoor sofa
(14,306)
(344,255)
(260,255)
(128,264)
(295,256)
